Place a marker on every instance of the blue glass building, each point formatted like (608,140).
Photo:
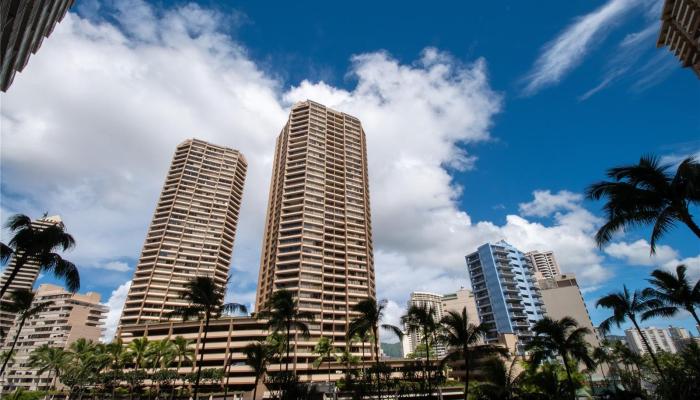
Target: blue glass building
(507,297)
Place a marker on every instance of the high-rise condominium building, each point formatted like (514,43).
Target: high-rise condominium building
(69,318)
(24,25)
(413,339)
(562,298)
(318,235)
(506,295)
(680,31)
(192,230)
(25,278)
(659,339)
(545,264)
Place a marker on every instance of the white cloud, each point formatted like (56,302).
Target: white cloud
(116,266)
(569,48)
(115,305)
(546,203)
(90,125)
(638,253)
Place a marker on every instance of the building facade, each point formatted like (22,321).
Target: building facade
(562,298)
(680,31)
(25,24)
(192,231)
(459,300)
(69,317)
(545,264)
(318,233)
(507,297)
(668,339)
(25,278)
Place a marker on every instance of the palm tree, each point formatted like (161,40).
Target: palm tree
(464,341)
(21,304)
(564,338)
(30,242)
(283,315)
(647,193)
(257,356)
(49,359)
(324,350)
(138,352)
(626,305)
(182,352)
(674,292)
(205,298)
(160,353)
(501,381)
(420,318)
(369,320)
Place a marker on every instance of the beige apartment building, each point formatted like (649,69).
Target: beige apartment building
(192,230)
(680,31)
(669,340)
(24,279)
(562,297)
(318,233)
(459,300)
(69,318)
(25,24)
(546,265)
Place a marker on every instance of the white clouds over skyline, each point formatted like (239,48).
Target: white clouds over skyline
(90,126)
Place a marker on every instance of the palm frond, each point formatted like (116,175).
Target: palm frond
(6,253)
(665,221)
(17,222)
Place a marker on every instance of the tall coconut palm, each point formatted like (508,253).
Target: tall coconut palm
(258,356)
(206,301)
(283,315)
(49,359)
(30,242)
(371,314)
(465,341)
(674,292)
(563,338)
(324,350)
(627,306)
(369,320)
(421,319)
(23,305)
(647,193)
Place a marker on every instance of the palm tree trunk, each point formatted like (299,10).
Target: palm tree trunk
(427,364)
(329,369)
(226,371)
(15,270)
(568,376)
(363,357)
(649,349)
(201,356)
(691,309)
(375,335)
(255,389)
(688,220)
(466,372)
(289,328)
(12,348)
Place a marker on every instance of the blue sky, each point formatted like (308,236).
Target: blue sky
(507,111)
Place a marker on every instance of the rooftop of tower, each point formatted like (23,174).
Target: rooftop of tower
(309,101)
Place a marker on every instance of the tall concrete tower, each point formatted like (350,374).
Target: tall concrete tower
(192,231)
(318,232)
